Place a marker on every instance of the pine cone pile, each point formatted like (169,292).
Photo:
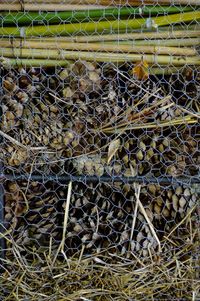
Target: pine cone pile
(63,112)
(100,217)
(31,215)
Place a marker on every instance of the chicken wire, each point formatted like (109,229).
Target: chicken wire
(100,138)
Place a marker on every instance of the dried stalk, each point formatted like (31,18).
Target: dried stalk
(62,244)
(98,56)
(98,47)
(154,125)
(15,142)
(130,36)
(143,211)
(182,221)
(16,62)
(165,43)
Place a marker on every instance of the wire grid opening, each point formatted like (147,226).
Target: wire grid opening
(100,149)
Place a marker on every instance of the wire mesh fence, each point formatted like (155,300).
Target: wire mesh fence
(100,161)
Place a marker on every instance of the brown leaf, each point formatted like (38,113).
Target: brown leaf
(113,148)
(140,70)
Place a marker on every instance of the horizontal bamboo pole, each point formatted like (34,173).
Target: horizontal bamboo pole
(165,43)
(12,62)
(27,63)
(98,47)
(131,36)
(25,18)
(99,27)
(163,70)
(98,56)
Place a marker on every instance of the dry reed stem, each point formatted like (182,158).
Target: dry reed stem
(128,36)
(135,213)
(66,215)
(15,142)
(143,211)
(98,47)
(182,221)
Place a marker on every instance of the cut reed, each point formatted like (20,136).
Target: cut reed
(98,56)
(132,48)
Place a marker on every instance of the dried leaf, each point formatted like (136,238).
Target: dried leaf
(113,148)
(140,70)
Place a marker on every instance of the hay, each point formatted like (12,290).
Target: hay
(172,275)
(48,274)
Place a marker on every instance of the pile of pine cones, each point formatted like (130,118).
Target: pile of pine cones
(62,111)
(100,217)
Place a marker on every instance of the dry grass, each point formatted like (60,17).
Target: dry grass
(172,273)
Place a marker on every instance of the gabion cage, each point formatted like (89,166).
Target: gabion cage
(99,127)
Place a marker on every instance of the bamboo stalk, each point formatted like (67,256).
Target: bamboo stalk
(132,36)
(99,27)
(98,56)
(25,18)
(12,62)
(98,47)
(165,43)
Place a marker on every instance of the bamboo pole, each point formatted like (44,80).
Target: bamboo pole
(98,47)
(130,36)
(99,27)
(98,56)
(165,43)
(26,63)
(15,62)
(25,18)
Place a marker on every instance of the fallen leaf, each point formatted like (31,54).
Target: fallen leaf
(140,70)
(113,148)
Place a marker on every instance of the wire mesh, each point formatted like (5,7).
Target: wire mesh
(100,161)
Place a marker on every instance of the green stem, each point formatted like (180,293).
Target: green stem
(99,27)
(26,18)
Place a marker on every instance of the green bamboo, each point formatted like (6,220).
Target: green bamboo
(98,56)
(99,27)
(26,18)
